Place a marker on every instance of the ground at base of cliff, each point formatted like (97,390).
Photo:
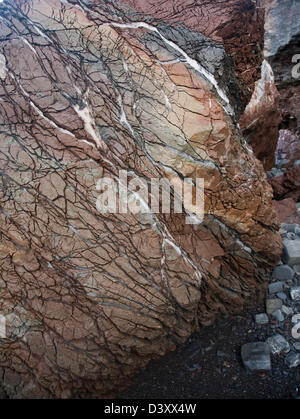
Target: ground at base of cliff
(209,366)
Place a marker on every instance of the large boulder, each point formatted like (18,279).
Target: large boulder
(89,298)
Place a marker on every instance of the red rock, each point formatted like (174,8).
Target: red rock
(288,147)
(89,297)
(282,40)
(237,24)
(261,119)
(286,211)
(289,105)
(287,185)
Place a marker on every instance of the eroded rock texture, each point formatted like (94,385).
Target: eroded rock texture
(86,90)
(282,40)
(236,24)
(262,117)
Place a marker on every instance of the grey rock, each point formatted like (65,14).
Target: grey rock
(295,293)
(295,319)
(293,360)
(256,356)
(283,273)
(297,346)
(289,236)
(273,304)
(288,311)
(282,296)
(275,287)
(290,228)
(277,314)
(262,318)
(278,344)
(291,252)
(280,42)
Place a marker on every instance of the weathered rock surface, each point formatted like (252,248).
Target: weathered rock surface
(282,39)
(90,298)
(236,24)
(288,147)
(286,211)
(282,32)
(287,185)
(261,119)
(273,112)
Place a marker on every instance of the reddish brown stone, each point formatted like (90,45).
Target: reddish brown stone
(90,298)
(287,185)
(237,24)
(288,147)
(261,119)
(286,211)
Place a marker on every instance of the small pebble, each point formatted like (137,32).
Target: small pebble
(277,314)
(275,287)
(278,344)
(295,293)
(262,318)
(293,360)
(273,304)
(282,296)
(256,356)
(283,273)
(288,311)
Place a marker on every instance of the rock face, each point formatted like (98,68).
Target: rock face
(87,90)
(282,39)
(282,36)
(261,119)
(287,185)
(288,147)
(236,24)
(273,113)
